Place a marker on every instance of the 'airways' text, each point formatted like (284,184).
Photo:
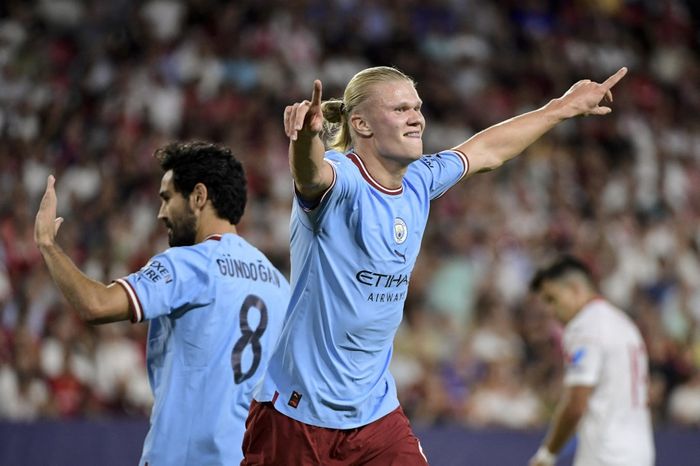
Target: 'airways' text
(386,297)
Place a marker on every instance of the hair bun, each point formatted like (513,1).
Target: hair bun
(333,110)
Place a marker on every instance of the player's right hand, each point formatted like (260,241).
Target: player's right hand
(46,224)
(304,118)
(542,458)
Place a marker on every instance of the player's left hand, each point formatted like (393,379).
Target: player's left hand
(585,97)
(46,224)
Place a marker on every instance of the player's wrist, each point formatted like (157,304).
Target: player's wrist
(545,457)
(46,245)
(307,134)
(557,110)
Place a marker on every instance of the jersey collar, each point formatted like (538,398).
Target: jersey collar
(370,179)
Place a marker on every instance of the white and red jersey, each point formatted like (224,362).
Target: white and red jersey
(604,349)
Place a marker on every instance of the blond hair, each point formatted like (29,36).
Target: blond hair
(336,112)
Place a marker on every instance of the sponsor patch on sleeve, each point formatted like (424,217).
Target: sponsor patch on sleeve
(156,271)
(575,359)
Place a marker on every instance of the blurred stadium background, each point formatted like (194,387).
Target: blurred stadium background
(88,89)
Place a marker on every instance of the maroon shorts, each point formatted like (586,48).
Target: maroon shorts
(271,438)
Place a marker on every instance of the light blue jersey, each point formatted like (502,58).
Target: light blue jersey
(216,311)
(352,257)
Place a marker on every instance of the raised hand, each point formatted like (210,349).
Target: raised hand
(46,224)
(304,117)
(585,97)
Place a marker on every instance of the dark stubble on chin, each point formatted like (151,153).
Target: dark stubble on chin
(183,230)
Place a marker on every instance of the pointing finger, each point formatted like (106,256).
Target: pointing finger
(50,193)
(316,95)
(612,80)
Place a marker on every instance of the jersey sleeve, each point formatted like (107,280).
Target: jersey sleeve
(344,186)
(173,280)
(583,354)
(439,172)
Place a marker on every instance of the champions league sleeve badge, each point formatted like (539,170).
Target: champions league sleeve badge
(400,230)
(575,359)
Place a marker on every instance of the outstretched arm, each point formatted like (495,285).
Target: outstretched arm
(95,302)
(303,122)
(493,146)
(569,412)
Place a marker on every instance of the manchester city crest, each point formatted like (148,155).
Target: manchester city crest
(400,230)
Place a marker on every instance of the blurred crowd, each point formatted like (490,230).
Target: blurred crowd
(88,90)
